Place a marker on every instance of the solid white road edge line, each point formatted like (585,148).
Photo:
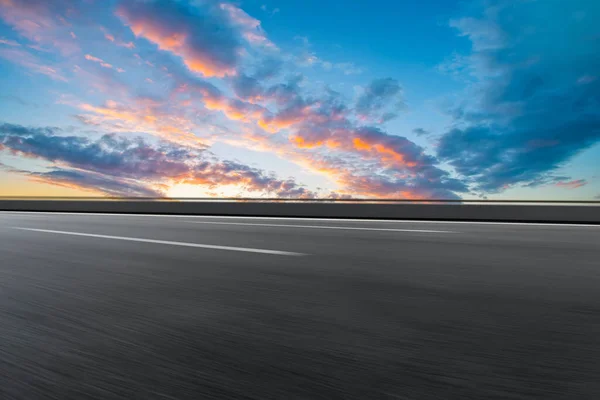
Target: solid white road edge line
(202,246)
(319,227)
(408,221)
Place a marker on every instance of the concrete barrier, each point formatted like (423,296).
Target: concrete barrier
(568,213)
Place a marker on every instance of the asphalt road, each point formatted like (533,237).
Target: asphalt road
(150,307)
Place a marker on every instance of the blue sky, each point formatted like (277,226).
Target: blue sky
(437,99)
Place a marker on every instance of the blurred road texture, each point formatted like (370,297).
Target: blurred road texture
(151,307)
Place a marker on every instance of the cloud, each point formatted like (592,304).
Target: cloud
(41,21)
(247,88)
(393,156)
(210,37)
(99,61)
(299,127)
(362,161)
(104,80)
(397,166)
(144,117)
(348,68)
(268,68)
(307,57)
(572,184)
(112,38)
(319,129)
(249,26)
(92,58)
(362,179)
(94,182)
(31,62)
(9,42)
(324,122)
(421,132)
(18,100)
(456,65)
(311,124)
(380,100)
(272,11)
(123,166)
(529,111)
(202,36)
(485,33)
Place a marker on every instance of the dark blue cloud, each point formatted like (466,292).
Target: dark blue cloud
(109,154)
(420,132)
(246,87)
(122,166)
(88,180)
(537,100)
(381,99)
(268,68)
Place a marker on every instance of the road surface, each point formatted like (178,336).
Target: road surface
(159,307)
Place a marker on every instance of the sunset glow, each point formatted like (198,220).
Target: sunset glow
(433,100)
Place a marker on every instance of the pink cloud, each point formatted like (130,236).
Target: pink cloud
(111,38)
(572,184)
(92,58)
(102,63)
(40,21)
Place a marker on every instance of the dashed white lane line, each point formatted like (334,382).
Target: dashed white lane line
(345,228)
(166,242)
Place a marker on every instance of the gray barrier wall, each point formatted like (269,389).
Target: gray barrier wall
(589,213)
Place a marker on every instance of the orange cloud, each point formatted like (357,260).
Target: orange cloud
(389,155)
(175,43)
(203,49)
(147,119)
(285,119)
(111,38)
(233,109)
(359,180)
(387,151)
(303,144)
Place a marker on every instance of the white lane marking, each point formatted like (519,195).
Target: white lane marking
(202,246)
(407,221)
(319,227)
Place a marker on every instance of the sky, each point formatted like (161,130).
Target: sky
(436,99)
